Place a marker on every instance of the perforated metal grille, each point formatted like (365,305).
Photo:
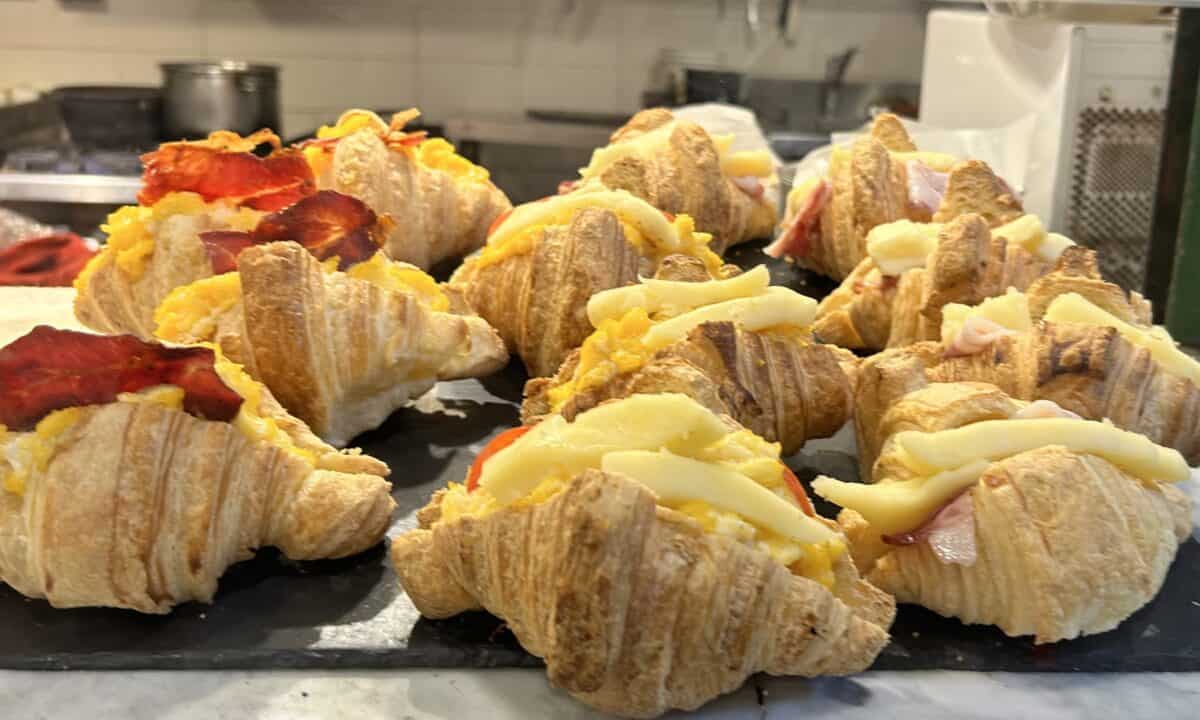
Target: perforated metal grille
(1112,187)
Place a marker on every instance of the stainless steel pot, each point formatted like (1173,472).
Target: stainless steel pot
(200,97)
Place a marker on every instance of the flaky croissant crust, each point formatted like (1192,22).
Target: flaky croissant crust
(634,608)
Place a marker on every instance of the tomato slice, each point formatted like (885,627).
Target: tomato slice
(499,221)
(797,489)
(498,443)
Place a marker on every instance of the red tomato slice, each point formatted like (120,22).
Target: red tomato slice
(797,489)
(498,443)
(498,221)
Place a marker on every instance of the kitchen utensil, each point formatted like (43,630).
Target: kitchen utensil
(111,117)
(201,97)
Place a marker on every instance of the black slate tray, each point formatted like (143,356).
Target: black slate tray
(272,613)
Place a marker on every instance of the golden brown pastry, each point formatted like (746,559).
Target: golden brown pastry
(1017,515)
(133,475)
(1071,338)
(895,296)
(541,264)
(678,167)
(881,178)
(651,553)
(341,350)
(441,203)
(746,352)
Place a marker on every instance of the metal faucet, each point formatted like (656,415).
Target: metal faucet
(835,73)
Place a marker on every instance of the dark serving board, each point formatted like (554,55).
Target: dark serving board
(272,613)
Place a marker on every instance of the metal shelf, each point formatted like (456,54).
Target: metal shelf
(77,189)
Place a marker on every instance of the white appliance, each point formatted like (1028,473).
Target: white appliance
(1087,101)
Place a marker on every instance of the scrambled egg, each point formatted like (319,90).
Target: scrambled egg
(28,453)
(389,274)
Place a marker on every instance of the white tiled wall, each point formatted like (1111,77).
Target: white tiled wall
(446,56)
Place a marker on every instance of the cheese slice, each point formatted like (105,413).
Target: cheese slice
(676,479)
(1010,310)
(896,507)
(902,245)
(748,163)
(930,453)
(1073,307)
(555,447)
(1053,246)
(673,297)
(777,306)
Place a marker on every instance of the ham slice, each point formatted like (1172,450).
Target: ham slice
(950,533)
(750,185)
(926,186)
(1044,409)
(795,239)
(977,334)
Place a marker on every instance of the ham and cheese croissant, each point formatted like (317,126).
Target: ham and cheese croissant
(341,350)
(542,262)
(133,474)
(1017,515)
(1071,338)
(441,203)
(882,178)
(679,168)
(895,297)
(737,346)
(653,553)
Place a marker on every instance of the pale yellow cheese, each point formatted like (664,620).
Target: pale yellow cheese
(1028,232)
(643,146)
(930,453)
(1053,246)
(748,163)
(170,396)
(777,306)
(937,161)
(676,479)
(896,507)
(1073,307)
(1010,310)
(902,245)
(672,297)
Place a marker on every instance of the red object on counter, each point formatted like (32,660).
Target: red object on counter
(49,260)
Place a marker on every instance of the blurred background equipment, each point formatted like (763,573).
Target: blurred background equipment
(201,97)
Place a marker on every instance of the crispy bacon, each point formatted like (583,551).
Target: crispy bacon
(327,224)
(950,532)
(977,334)
(50,369)
(926,186)
(48,260)
(796,239)
(222,167)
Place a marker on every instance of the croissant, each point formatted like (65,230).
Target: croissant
(1063,542)
(339,351)
(441,203)
(150,252)
(676,166)
(533,283)
(782,387)
(137,504)
(968,263)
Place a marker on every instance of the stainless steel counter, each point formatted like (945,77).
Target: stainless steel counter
(74,189)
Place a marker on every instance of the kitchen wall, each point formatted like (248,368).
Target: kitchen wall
(450,57)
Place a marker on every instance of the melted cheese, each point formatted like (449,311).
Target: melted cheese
(1028,232)
(1010,310)
(902,245)
(30,452)
(1073,307)
(643,146)
(673,297)
(169,396)
(748,163)
(191,311)
(777,306)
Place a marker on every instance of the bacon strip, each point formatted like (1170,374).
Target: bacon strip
(926,186)
(327,224)
(977,334)
(50,369)
(796,239)
(222,167)
(45,261)
(950,532)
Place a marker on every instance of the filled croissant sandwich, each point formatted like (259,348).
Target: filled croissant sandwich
(895,297)
(313,308)
(680,168)
(1013,514)
(545,259)
(1071,338)
(133,474)
(441,203)
(878,179)
(737,346)
(653,553)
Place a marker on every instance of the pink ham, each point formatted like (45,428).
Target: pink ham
(977,334)
(1039,409)
(950,532)
(926,186)
(750,185)
(796,238)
